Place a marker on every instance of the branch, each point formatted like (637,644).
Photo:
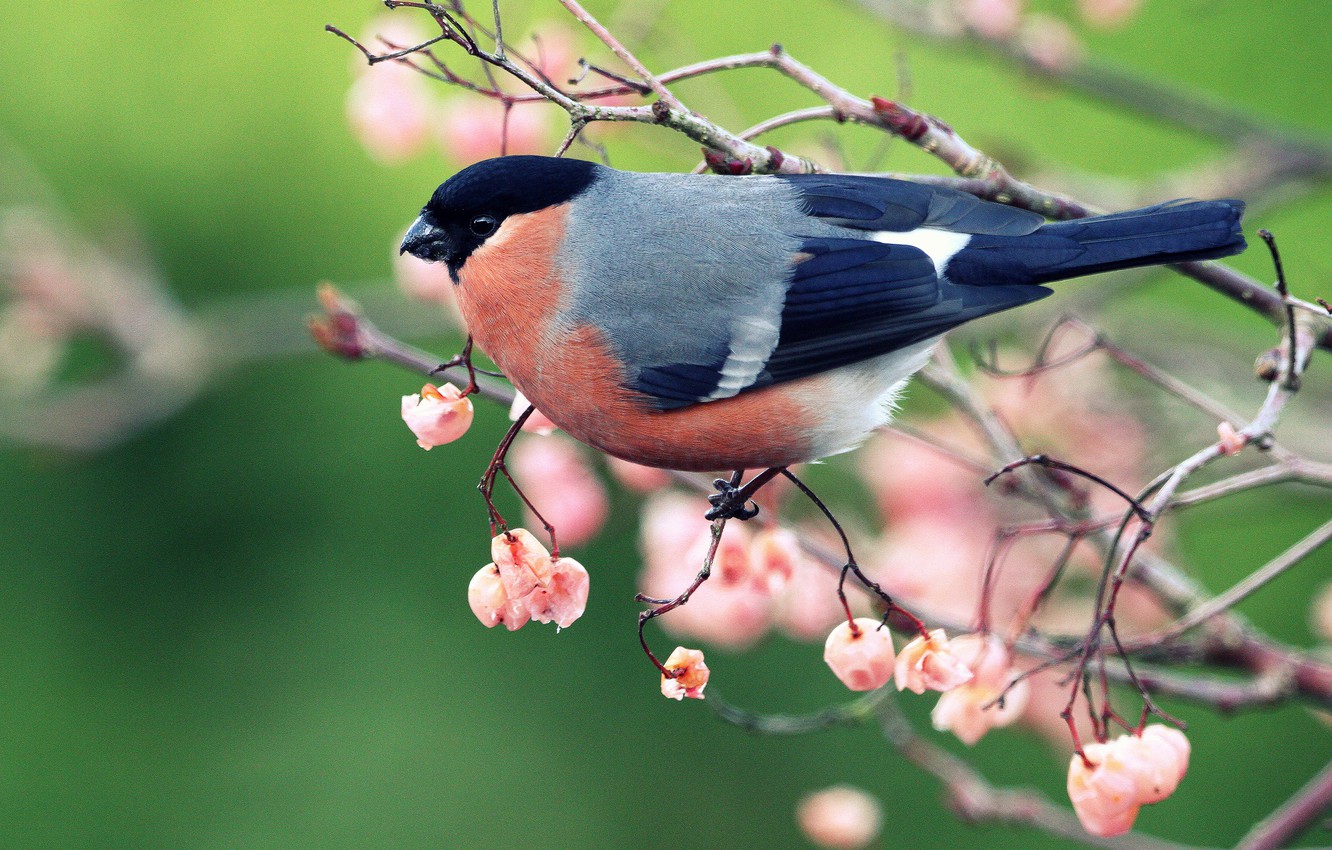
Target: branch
(1243,589)
(1309,803)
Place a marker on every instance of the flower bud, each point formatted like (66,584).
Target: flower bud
(692,675)
(928,663)
(840,818)
(437,415)
(860,654)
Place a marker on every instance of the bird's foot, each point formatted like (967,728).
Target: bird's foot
(730,502)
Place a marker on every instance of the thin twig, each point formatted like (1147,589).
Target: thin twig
(1242,589)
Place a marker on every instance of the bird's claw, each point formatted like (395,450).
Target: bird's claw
(729,502)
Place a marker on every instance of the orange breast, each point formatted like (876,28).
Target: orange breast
(509,293)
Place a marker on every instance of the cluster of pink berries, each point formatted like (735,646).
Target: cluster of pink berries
(524,583)
(1108,783)
(974,672)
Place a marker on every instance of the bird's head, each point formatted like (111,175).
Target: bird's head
(473,205)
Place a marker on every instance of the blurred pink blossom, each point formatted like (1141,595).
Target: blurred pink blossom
(693,676)
(731,564)
(860,653)
(840,817)
(554,51)
(1074,413)
(474,128)
(636,476)
(437,415)
(554,474)
(774,553)
(725,611)
(1050,42)
(808,606)
(996,19)
(390,111)
(1048,696)
(1108,14)
(910,479)
(928,663)
(934,563)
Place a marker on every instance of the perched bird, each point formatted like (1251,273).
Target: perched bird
(704,322)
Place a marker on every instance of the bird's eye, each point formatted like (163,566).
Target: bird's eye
(484,225)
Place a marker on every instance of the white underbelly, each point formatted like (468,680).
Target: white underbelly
(862,397)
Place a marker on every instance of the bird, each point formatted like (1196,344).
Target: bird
(705,322)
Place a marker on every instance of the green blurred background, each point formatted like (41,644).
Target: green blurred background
(246,627)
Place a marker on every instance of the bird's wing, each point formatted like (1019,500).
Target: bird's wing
(871,289)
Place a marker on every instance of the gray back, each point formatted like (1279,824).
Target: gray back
(667,264)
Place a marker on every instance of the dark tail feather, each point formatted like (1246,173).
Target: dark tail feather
(1174,232)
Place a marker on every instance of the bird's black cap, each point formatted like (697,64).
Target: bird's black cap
(468,207)
(513,184)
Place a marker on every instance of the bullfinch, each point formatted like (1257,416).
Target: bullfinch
(707,322)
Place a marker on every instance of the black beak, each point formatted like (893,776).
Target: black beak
(426,241)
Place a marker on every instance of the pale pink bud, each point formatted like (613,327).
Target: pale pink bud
(389,113)
(1108,14)
(538,423)
(692,675)
(636,476)
(774,554)
(474,129)
(1104,795)
(861,655)
(1229,440)
(523,562)
(554,474)
(928,663)
(437,415)
(997,19)
(1163,759)
(1050,42)
(840,817)
(563,598)
(490,602)
(971,710)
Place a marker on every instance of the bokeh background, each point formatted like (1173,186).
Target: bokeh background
(245,624)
